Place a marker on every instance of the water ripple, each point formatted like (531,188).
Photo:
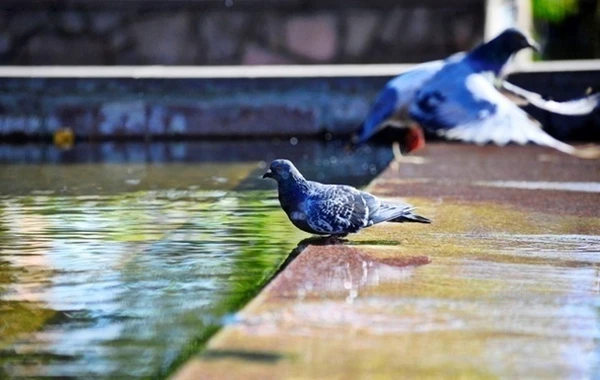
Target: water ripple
(116,285)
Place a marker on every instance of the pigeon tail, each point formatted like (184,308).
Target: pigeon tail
(542,138)
(410,218)
(590,152)
(397,213)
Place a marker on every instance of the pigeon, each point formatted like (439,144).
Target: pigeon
(455,99)
(335,210)
(391,105)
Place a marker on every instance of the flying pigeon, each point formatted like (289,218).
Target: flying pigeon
(455,98)
(336,210)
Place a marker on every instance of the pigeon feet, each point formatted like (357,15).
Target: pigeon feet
(324,240)
(399,158)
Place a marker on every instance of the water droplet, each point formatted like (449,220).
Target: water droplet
(294,141)
(220,179)
(328,136)
(229,3)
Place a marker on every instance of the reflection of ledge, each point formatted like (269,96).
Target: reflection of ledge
(312,297)
(312,157)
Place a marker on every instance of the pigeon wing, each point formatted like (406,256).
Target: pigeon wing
(461,105)
(382,211)
(336,209)
(394,100)
(579,106)
(382,110)
(445,102)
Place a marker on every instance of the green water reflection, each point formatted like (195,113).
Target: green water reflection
(127,284)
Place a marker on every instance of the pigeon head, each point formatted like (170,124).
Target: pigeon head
(512,40)
(493,55)
(282,170)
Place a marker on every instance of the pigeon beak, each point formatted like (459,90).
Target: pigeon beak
(534,45)
(268,174)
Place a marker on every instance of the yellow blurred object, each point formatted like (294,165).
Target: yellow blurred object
(554,10)
(64,138)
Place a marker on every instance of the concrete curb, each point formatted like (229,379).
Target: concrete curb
(143,103)
(498,286)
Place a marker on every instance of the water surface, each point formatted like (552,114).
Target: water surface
(120,260)
(118,285)
(122,270)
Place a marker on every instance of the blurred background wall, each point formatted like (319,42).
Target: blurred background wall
(233,32)
(567,29)
(250,32)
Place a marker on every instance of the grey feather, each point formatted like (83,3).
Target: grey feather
(332,209)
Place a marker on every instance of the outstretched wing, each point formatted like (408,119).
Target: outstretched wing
(460,105)
(394,99)
(445,102)
(336,209)
(579,106)
(382,110)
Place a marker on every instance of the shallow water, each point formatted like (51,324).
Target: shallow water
(118,285)
(120,260)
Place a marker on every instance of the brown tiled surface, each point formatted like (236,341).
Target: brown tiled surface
(496,287)
(470,173)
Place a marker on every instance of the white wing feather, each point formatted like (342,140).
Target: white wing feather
(581,106)
(507,124)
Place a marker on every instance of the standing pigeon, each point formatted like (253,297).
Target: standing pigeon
(337,210)
(455,98)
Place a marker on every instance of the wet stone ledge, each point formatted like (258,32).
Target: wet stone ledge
(145,108)
(156,108)
(502,284)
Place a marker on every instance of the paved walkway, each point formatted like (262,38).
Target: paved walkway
(503,284)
